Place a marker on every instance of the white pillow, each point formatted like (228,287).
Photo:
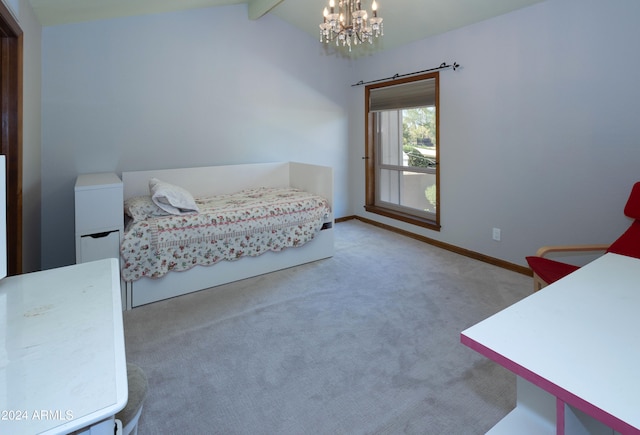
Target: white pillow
(140,208)
(172,199)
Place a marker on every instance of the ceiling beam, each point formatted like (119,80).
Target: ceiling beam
(258,8)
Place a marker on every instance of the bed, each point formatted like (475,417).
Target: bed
(295,237)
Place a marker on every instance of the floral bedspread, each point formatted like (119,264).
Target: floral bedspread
(247,223)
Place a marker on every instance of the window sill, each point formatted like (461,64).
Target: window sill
(404,217)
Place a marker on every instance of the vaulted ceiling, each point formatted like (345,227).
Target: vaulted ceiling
(404,20)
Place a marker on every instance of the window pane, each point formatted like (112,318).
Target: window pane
(419,191)
(389,137)
(414,190)
(419,136)
(389,186)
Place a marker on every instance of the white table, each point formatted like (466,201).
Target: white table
(575,347)
(62,359)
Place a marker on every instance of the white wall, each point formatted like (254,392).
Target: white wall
(31,125)
(192,88)
(538,129)
(538,132)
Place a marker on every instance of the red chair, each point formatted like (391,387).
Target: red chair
(547,271)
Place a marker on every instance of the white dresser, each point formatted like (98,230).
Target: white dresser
(99,216)
(62,354)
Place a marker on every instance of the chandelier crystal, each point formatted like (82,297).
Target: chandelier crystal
(349,24)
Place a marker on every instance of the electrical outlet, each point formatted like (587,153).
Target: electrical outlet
(496,234)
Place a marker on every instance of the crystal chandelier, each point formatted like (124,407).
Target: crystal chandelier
(349,24)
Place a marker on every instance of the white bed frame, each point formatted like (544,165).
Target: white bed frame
(215,180)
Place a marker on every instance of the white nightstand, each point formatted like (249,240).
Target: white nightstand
(99,216)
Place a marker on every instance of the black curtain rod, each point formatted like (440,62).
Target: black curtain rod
(443,65)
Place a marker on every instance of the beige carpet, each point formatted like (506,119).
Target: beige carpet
(366,342)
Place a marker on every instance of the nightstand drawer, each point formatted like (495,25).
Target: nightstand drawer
(99,246)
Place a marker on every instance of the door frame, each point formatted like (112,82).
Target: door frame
(11,59)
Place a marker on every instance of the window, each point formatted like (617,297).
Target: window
(402,150)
